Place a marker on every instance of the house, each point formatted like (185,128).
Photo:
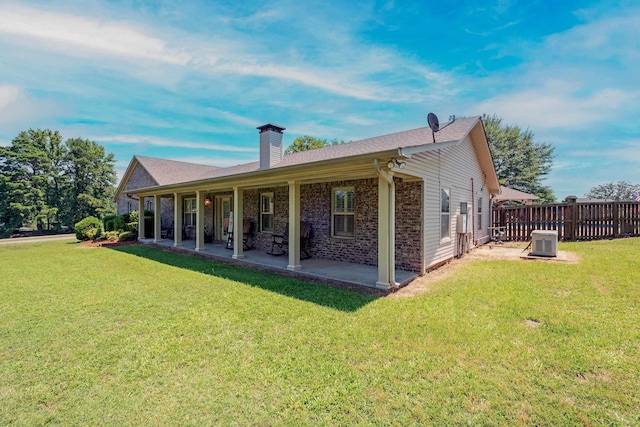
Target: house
(410,200)
(511,195)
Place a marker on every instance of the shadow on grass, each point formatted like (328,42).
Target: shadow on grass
(317,293)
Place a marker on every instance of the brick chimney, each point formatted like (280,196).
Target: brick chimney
(270,145)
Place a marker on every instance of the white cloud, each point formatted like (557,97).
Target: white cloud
(229,51)
(162,142)
(556,104)
(604,37)
(8,95)
(86,35)
(18,109)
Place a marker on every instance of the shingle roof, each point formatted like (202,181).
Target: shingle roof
(174,172)
(509,194)
(410,138)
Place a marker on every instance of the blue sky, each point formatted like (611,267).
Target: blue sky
(191,80)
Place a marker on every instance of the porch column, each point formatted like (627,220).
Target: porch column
(157,217)
(200,195)
(140,217)
(294,226)
(238,215)
(386,231)
(177,220)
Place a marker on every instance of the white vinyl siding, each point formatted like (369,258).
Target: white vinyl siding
(343,213)
(450,168)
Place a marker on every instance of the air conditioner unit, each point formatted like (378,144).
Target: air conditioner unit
(544,243)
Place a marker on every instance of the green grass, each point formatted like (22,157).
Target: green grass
(136,336)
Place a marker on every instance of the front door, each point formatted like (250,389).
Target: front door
(223,208)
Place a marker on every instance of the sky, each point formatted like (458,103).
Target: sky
(191,80)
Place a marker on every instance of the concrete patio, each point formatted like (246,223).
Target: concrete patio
(318,270)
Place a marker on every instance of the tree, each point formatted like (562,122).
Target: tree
(27,165)
(44,182)
(304,143)
(521,162)
(92,178)
(618,191)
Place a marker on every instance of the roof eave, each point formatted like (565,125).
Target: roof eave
(269,174)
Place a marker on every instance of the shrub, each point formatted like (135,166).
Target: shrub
(119,223)
(127,236)
(132,225)
(112,236)
(88,228)
(108,222)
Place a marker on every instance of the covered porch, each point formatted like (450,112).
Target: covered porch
(323,270)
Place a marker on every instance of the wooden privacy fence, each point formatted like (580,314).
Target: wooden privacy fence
(572,221)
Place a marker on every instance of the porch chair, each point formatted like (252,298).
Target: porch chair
(167,232)
(279,241)
(247,226)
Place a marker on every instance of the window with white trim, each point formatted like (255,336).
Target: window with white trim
(266,212)
(479,213)
(445,213)
(190,211)
(343,212)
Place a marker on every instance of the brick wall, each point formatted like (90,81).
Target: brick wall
(139,178)
(315,207)
(262,240)
(409,226)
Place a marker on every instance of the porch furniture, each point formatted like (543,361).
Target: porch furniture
(280,241)
(247,226)
(167,232)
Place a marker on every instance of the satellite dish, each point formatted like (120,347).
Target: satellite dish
(434,124)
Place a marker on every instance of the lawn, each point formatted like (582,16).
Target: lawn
(137,336)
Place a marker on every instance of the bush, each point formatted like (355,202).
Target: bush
(132,225)
(112,236)
(108,222)
(119,223)
(88,228)
(127,236)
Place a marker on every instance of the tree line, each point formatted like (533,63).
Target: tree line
(49,184)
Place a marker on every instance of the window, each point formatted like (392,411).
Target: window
(149,205)
(190,210)
(343,212)
(445,215)
(479,213)
(266,212)
(129,209)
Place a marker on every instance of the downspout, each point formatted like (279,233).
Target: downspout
(392,221)
(473,215)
